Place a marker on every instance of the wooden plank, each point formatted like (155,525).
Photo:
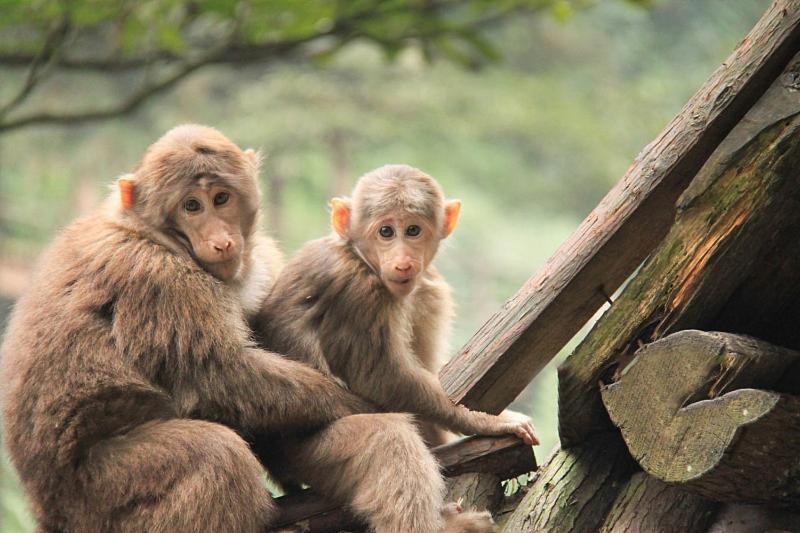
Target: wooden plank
(505,456)
(518,341)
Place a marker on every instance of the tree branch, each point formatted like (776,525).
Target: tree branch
(344,30)
(39,65)
(124,107)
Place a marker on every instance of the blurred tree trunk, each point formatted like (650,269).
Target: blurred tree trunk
(3,212)
(276,184)
(337,141)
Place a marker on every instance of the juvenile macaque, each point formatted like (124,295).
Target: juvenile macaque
(365,304)
(128,373)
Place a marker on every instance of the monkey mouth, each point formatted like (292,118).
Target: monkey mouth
(400,286)
(224,270)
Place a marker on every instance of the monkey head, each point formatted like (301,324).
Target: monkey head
(201,190)
(395,220)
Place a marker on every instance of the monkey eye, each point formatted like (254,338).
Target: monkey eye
(413,230)
(221,198)
(386,232)
(192,205)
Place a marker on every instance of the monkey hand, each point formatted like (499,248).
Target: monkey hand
(520,425)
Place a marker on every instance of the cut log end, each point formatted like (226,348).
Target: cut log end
(687,418)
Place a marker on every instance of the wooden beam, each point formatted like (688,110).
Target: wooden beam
(505,456)
(518,341)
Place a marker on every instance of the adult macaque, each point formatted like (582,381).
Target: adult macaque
(128,371)
(365,304)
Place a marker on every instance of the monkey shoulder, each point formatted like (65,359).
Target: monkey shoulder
(260,272)
(322,266)
(152,298)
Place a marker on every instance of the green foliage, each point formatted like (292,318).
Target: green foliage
(124,29)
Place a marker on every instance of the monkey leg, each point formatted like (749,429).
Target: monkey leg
(434,435)
(173,475)
(379,466)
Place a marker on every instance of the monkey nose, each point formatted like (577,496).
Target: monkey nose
(404,267)
(223,247)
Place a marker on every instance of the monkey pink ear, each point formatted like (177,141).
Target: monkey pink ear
(451,212)
(127,191)
(340,216)
(253,155)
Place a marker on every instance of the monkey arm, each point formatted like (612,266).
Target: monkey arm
(415,390)
(263,391)
(315,358)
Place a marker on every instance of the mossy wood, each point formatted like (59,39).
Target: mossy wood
(729,261)
(474,465)
(574,489)
(692,411)
(647,504)
(518,341)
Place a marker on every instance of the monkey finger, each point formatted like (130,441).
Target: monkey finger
(534,436)
(522,432)
(531,432)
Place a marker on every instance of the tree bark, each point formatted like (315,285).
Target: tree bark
(476,491)
(647,505)
(574,489)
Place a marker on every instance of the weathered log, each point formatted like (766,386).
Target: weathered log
(494,458)
(504,355)
(574,489)
(688,414)
(507,506)
(648,505)
(476,491)
(729,262)
(505,456)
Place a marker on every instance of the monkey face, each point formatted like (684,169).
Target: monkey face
(395,222)
(399,246)
(209,221)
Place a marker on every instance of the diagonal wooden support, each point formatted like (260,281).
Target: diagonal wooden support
(518,341)
(506,457)
(731,248)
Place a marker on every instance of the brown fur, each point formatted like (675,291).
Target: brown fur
(331,306)
(128,371)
